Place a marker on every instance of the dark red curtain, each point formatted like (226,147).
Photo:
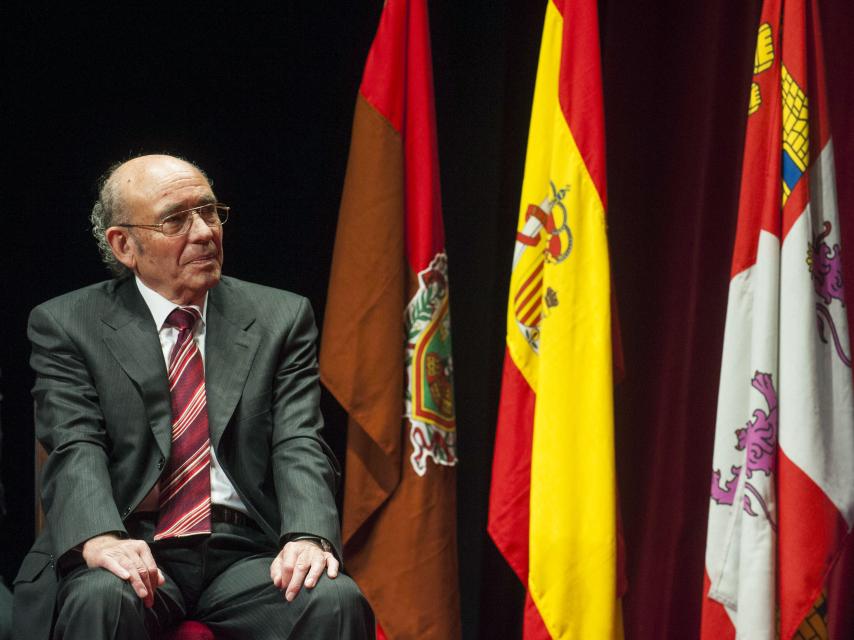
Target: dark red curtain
(676,80)
(676,83)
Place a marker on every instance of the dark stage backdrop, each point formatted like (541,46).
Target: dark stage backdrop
(263,100)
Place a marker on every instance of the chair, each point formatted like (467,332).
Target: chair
(190,630)
(186,630)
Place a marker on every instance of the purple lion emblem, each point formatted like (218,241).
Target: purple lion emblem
(825,266)
(758,439)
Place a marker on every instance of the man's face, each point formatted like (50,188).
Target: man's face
(181,268)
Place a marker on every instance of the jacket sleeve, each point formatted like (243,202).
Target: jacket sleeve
(77,493)
(304,469)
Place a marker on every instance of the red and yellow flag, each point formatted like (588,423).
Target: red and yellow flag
(553,499)
(386,348)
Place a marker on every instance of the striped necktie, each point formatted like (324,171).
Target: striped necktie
(185,487)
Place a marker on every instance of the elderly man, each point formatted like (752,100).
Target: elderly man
(186,475)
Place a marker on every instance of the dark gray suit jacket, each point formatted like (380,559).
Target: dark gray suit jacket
(103,413)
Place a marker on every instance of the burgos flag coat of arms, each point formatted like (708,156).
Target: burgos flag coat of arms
(782,485)
(386,348)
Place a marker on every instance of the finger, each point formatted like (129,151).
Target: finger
(148,571)
(276,571)
(138,584)
(150,564)
(301,567)
(287,562)
(161,579)
(147,580)
(112,564)
(139,579)
(318,563)
(332,565)
(134,579)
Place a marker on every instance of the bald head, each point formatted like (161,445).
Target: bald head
(144,178)
(123,185)
(143,197)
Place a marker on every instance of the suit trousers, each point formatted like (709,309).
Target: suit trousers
(221,579)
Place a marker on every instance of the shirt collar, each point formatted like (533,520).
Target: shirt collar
(161,307)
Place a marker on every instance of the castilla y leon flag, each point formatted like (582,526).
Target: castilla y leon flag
(782,489)
(553,506)
(386,347)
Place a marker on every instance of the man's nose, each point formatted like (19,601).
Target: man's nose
(199,230)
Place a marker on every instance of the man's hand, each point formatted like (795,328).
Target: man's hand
(301,562)
(130,560)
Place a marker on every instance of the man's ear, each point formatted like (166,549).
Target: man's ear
(124,247)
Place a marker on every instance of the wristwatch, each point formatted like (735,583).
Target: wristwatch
(323,543)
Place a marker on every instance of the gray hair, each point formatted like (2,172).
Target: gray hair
(109,210)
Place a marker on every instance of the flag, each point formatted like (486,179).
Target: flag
(552,510)
(782,489)
(386,348)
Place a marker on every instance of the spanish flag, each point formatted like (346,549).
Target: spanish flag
(553,504)
(386,348)
(782,480)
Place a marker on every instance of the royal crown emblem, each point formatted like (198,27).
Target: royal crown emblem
(544,239)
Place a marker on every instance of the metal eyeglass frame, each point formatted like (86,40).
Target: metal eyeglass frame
(220,209)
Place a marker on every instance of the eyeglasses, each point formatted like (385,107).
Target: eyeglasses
(177,224)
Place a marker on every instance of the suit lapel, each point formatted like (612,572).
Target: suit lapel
(230,347)
(132,339)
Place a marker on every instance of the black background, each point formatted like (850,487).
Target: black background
(263,100)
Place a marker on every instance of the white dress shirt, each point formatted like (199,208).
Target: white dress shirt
(222,491)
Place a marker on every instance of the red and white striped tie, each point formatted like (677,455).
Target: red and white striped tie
(185,488)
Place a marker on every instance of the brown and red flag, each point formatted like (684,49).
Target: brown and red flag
(386,348)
